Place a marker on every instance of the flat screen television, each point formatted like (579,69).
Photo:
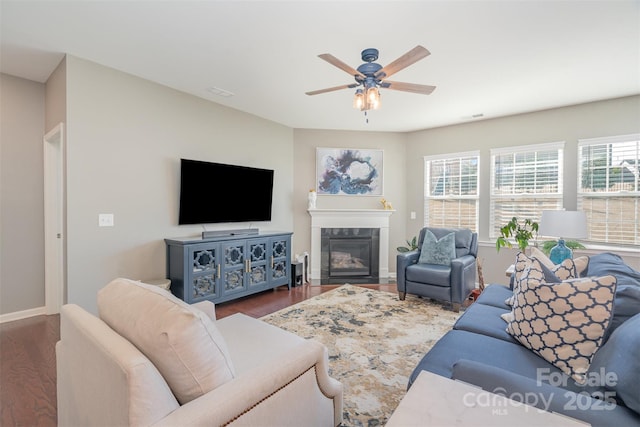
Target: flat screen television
(217,192)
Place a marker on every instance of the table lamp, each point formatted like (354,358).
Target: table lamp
(572,224)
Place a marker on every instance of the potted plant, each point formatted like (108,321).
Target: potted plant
(521,233)
(412,245)
(571,244)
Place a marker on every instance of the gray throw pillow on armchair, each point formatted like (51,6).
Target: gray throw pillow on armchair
(436,251)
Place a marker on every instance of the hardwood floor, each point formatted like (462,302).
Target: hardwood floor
(27,353)
(28,371)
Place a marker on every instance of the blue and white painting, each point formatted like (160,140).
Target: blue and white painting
(347,171)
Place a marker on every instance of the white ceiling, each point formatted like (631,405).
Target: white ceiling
(493,58)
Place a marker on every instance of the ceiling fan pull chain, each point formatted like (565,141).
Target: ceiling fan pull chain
(366,118)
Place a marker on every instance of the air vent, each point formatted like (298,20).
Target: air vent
(220,92)
(473,116)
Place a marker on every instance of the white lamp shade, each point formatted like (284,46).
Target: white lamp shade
(571,224)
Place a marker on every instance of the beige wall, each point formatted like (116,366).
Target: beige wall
(394,176)
(606,118)
(56,97)
(125,136)
(21,190)
(404,160)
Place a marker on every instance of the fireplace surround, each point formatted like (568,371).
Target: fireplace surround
(377,219)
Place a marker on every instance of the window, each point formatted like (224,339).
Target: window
(525,181)
(451,190)
(609,188)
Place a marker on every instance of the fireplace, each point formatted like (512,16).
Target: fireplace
(351,219)
(349,255)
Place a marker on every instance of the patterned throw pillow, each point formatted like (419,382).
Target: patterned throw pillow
(531,270)
(563,271)
(564,322)
(580,262)
(436,251)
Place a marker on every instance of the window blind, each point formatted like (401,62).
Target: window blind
(451,190)
(525,180)
(609,188)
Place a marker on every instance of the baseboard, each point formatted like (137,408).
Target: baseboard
(17,315)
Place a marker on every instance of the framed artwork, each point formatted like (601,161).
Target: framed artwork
(349,172)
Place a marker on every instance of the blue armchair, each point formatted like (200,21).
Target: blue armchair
(452,283)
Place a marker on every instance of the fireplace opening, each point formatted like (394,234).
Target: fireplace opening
(349,255)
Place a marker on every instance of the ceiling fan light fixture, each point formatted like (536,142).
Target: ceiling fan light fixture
(373,98)
(367,99)
(358,100)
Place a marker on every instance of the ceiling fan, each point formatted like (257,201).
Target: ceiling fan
(372,76)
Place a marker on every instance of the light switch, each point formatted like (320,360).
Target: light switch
(105,220)
(413,215)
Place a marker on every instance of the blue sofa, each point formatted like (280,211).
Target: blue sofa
(478,350)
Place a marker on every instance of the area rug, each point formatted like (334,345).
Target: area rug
(374,341)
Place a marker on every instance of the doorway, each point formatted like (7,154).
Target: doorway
(54,219)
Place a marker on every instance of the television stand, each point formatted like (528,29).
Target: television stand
(228,266)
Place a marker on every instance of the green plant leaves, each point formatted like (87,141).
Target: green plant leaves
(521,233)
(571,244)
(412,245)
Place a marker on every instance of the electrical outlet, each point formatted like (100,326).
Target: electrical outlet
(413,215)
(105,220)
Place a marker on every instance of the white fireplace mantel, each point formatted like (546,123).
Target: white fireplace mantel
(349,218)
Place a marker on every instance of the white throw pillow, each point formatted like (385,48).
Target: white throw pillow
(542,257)
(182,341)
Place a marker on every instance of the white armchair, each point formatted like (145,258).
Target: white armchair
(103,379)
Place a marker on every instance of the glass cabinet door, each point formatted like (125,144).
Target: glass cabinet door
(204,273)
(257,267)
(233,267)
(280,261)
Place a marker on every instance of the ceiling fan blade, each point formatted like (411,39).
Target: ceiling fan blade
(411,57)
(344,67)
(409,87)
(331,89)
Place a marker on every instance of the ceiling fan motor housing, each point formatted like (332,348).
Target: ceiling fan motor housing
(369,70)
(369,55)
